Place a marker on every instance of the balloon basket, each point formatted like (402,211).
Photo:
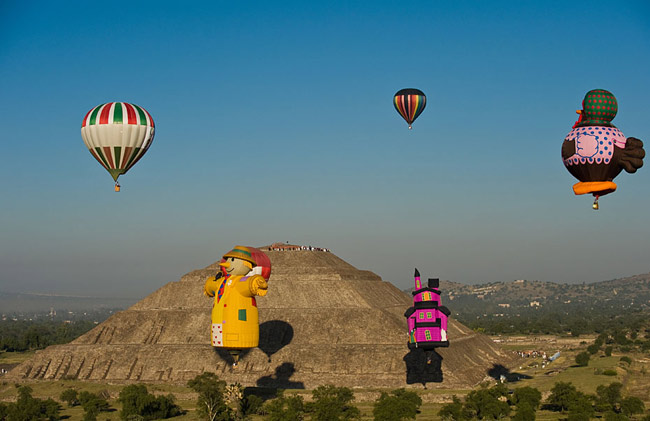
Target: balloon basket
(595,205)
(117,186)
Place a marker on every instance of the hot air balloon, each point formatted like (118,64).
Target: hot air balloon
(595,151)
(427,319)
(117,134)
(410,103)
(244,274)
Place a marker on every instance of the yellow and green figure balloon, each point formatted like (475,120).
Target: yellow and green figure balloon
(595,151)
(117,134)
(410,103)
(243,276)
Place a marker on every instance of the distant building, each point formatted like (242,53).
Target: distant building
(535,304)
(504,305)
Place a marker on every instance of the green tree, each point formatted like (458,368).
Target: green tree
(286,408)
(593,349)
(582,359)
(92,404)
(632,405)
(580,407)
(396,406)
(331,403)
(211,401)
(562,394)
(28,408)
(608,397)
(527,396)
(136,400)
(453,410)
(608,351)
(487,403)
(70,397)
(524,413)
(615,416)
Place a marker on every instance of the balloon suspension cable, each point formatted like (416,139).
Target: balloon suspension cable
(595,205)
(117,186)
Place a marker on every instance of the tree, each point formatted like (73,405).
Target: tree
(580,408)
(608,351)
(70,397)
(527,396)
(396,406)
(27,408)
(286,408)
(486,403)
(582,359)
(211,402)
(593,349)
(608,397)
(632,405)
(524,413)
(615,416)
(453,410)
(136,400)
(331,403)
(92,404)
(562,394)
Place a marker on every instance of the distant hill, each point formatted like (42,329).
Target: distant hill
(22,303)
(631,294)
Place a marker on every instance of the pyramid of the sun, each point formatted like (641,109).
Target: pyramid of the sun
(322,322)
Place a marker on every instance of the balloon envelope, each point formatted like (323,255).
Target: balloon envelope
(410,103)
(117,134)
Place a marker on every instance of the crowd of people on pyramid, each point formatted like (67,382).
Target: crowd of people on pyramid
(287,247)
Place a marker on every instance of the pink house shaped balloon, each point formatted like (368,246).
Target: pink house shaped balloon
(427,319)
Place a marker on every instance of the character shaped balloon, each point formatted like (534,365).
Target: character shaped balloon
(595,151)
(117,134)
(244,275)
(427,319)
(410,103)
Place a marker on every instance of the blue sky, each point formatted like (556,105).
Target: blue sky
(274,122)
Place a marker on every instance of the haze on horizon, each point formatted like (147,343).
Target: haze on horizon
(274,123)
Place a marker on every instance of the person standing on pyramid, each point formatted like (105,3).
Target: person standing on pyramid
(244,274)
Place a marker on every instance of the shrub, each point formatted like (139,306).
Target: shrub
(608,351)
(626,359)
(609,372)
(396,406)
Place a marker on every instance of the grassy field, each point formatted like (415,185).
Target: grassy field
(633,376)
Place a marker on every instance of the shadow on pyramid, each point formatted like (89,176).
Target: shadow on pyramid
(322,322)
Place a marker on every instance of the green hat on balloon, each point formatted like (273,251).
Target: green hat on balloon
(598,109)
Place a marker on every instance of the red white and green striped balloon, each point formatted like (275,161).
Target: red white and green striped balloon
(117,134)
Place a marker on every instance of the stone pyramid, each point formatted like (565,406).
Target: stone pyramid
(322,322)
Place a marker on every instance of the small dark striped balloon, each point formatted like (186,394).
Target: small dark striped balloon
(410,103)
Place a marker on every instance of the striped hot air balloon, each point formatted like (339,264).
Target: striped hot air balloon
(117,134)
(410,103)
